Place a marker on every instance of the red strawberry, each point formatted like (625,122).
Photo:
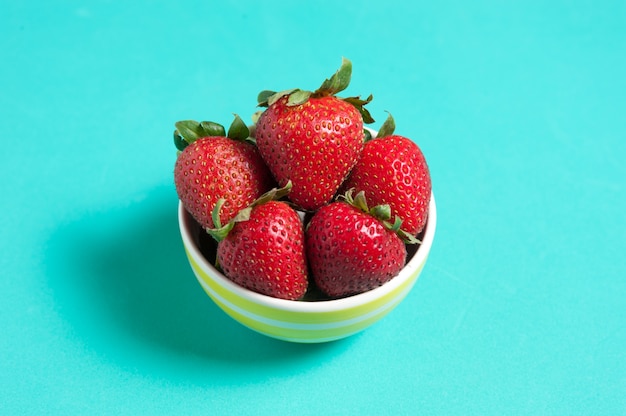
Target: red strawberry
(265,252)
(392,170)
(351,250)
(212,166)
(312,138)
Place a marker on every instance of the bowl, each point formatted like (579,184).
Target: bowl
(302,321)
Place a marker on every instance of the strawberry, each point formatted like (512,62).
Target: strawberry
(351,248)
(392,170)
(264,250)
(312,138)
(213,165)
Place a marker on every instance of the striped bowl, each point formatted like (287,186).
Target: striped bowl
(303,321)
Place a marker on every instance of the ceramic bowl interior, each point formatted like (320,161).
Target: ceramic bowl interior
(306,321)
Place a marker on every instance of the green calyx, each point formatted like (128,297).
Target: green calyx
(188,131)
(338,82)
(359,104)
(267,98)
(387,129)
(381,212)
(221,231)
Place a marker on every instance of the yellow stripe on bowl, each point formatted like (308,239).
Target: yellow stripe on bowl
(306,333)
(338,313)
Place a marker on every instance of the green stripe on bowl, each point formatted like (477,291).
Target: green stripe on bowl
(305,333)
(301,316)
(288,324)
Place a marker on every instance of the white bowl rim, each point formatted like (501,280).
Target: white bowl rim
(304,306)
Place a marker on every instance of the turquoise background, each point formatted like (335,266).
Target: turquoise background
(519,107)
